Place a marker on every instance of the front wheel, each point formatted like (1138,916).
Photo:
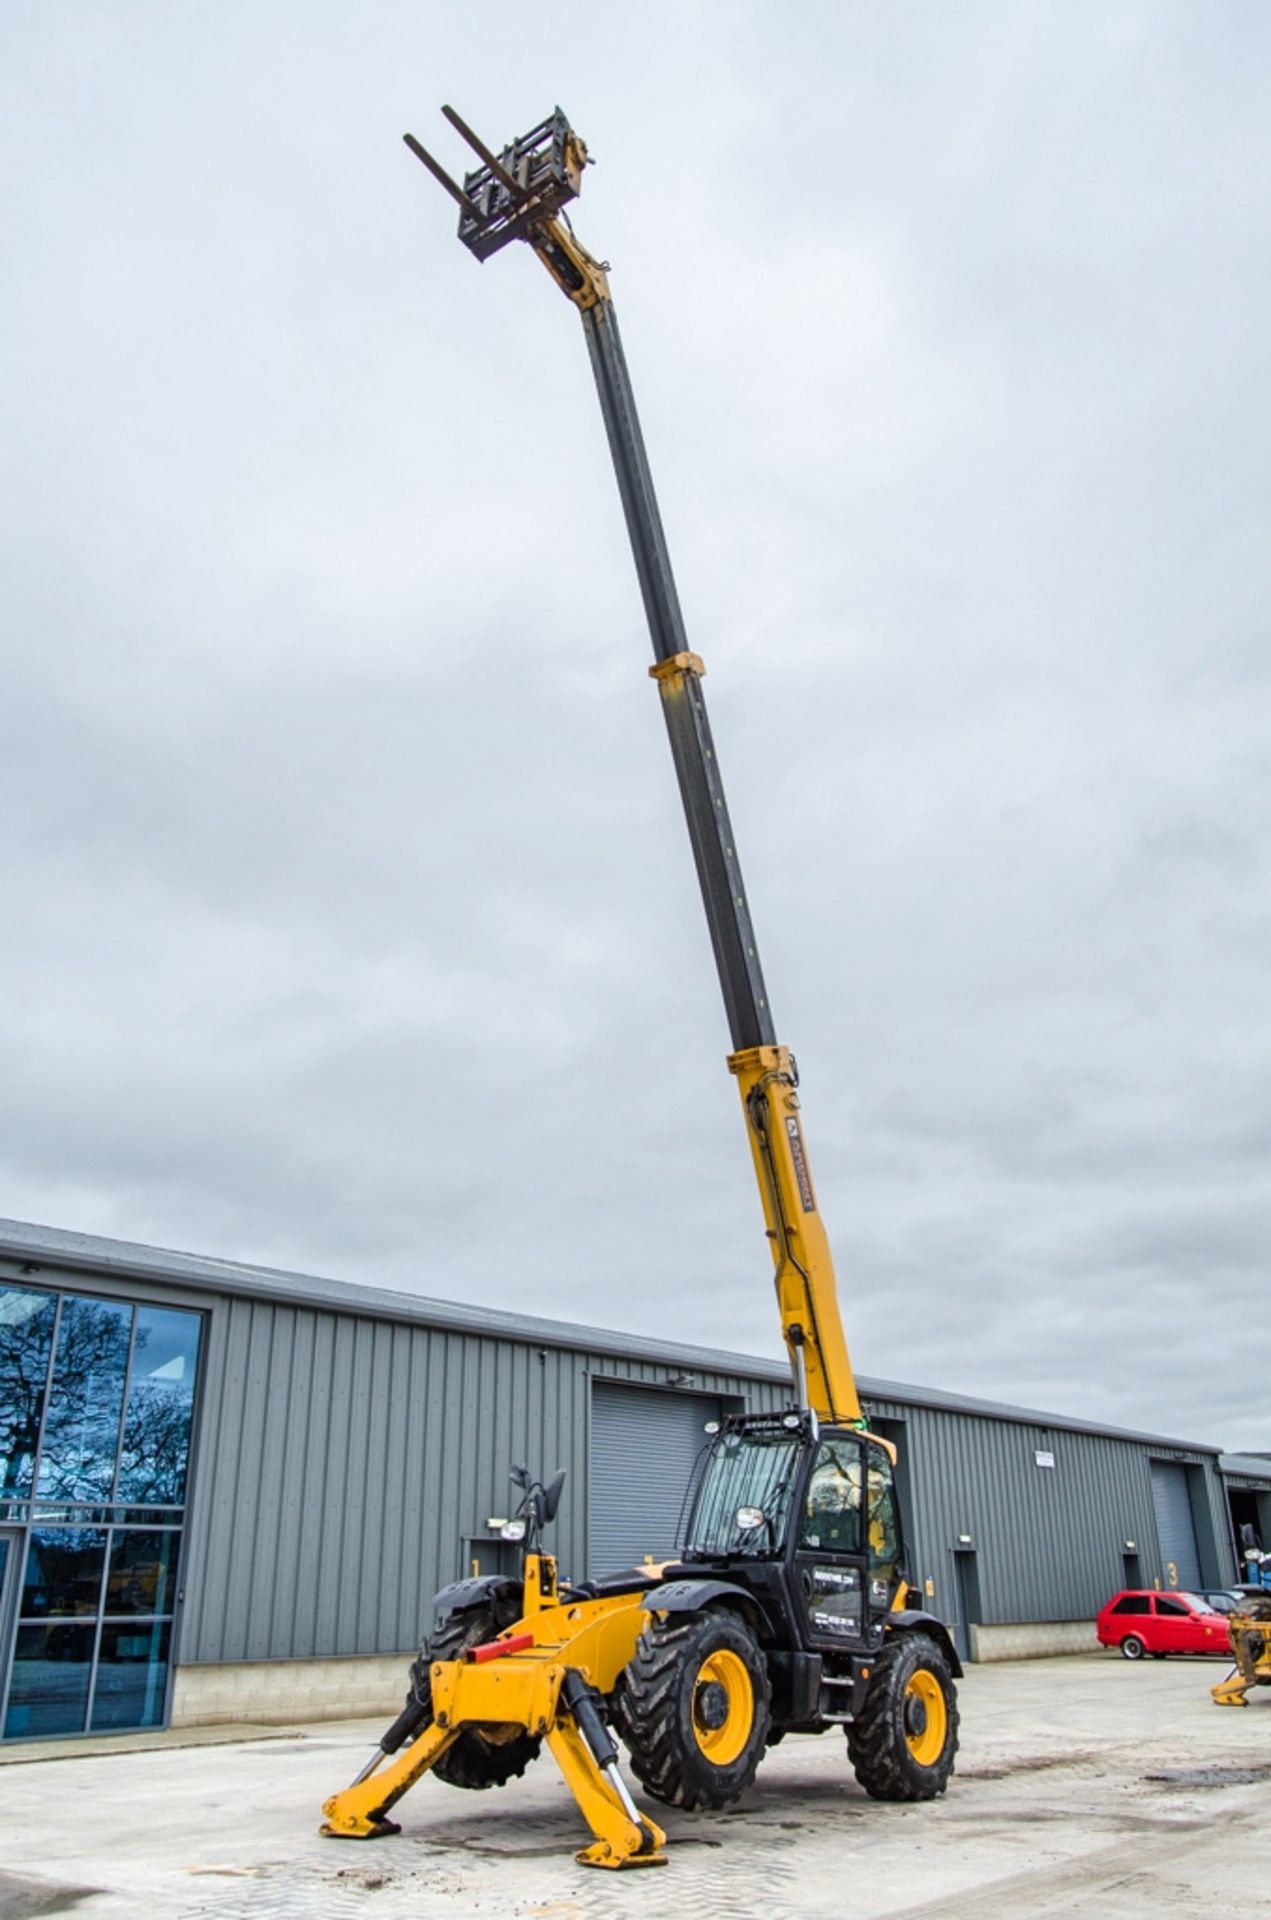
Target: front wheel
(903,1742)
(694,1709)
(1132,1648)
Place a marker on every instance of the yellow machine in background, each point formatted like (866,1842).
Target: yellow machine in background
(1250,1629)
(788,1609)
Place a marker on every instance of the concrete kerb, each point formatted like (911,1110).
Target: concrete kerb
(15,1753)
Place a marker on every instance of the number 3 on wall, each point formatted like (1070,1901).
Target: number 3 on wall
(1172,1571)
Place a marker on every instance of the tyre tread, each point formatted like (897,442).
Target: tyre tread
(648,1713)
(876,1743)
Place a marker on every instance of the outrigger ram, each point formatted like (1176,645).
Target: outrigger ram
(788,1610)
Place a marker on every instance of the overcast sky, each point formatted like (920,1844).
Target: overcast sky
(351,923)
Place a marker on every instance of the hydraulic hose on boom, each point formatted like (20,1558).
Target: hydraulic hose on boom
(520,194)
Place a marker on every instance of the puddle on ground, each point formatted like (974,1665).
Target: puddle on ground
(1211,1776)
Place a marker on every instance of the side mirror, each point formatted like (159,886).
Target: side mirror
(552,1493)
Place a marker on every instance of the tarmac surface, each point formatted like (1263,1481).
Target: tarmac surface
(1084,1786)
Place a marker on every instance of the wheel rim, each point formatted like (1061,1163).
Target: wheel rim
(926,1717)
(723,1706)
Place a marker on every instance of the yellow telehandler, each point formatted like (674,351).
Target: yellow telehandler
(788,1609)
(1250,1630)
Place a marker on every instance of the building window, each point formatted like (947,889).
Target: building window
(81,1425)
(26,1341)
(96,1413)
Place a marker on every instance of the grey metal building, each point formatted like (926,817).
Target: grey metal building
(230,1492)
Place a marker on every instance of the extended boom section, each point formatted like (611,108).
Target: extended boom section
(520,194)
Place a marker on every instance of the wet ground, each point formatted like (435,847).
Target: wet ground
(1084,1786)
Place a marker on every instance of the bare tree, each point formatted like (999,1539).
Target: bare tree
(25,1339)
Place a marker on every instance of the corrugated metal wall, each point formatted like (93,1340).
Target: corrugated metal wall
(1048,1541)
(342,1464)
(345,1466)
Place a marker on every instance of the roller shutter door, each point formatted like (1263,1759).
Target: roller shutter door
(643,1449)
(1175,1528)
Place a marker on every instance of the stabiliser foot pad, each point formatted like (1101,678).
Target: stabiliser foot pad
(382,1830)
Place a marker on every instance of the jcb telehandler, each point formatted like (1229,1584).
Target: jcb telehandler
(788,1609)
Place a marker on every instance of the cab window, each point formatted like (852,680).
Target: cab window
(832,1509)
(882,1531)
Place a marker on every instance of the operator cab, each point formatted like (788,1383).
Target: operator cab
(808,1514)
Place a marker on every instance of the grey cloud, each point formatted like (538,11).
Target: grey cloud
(350,921)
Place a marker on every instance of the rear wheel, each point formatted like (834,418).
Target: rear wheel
(486,1756)
(1132,1647)
(694,1709)
(902,1744)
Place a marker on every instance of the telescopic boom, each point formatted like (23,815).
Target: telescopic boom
(520,194)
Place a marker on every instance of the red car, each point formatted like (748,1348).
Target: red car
(1161,1623)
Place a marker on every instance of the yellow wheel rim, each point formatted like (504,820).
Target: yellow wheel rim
(926,1717)
(723,1706)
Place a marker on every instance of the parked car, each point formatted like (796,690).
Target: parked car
(1221,1599)
(1142,1622)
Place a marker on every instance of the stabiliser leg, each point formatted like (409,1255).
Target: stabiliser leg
(1231,1691)
(534,1692)
(587,1755)
(358,1812)
(1251,1643)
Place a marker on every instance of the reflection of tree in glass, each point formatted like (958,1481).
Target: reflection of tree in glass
(77,1459)
(156,1435)
(26,1333)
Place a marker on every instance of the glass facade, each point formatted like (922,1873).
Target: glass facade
(96,1413)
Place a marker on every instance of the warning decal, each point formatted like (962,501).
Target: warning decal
(801,1173)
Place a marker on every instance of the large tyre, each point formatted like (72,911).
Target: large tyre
(694,1709)
(903,1742)
(479,1757)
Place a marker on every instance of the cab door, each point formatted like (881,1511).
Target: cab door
(830,1547)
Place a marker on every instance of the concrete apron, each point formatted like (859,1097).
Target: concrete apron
(1089,1785)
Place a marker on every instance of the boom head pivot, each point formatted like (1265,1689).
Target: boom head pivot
(518,194)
